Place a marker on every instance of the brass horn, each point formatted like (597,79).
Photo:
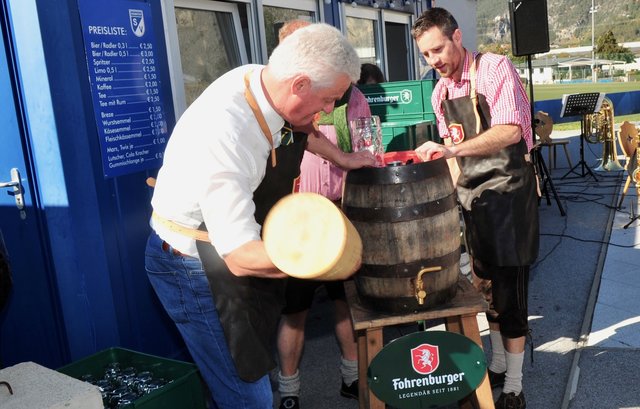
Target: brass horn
(635,174)
(599,129)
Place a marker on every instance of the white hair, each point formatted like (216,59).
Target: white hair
(319,51)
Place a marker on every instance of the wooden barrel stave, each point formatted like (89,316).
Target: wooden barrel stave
(406,224)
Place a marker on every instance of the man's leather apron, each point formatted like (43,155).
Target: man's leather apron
(497,193)
(249,307)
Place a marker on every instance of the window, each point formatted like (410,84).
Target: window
(363,33)
(382,37)
(278,12)
(210,41)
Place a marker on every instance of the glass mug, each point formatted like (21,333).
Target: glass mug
(366,134)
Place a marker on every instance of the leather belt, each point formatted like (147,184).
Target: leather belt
(195,234)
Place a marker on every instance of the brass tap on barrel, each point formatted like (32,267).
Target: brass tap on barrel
(421,294)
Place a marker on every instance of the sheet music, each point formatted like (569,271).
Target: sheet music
(599,103)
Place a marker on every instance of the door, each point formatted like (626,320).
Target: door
(399,50)
(30,325)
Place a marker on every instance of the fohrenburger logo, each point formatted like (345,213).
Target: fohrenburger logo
(426,369)
(457,133)
(406,96)
(425,358)
(395,97)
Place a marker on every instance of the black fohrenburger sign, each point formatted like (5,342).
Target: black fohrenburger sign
(426,370)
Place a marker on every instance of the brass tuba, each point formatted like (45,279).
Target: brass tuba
(599,129)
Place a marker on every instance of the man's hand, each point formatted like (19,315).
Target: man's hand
(356,160)
(427,150)
(319,144)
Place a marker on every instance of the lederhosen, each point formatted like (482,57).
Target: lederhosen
(497,192)
(249,307)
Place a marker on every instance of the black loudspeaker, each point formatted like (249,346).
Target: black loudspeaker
(529,27)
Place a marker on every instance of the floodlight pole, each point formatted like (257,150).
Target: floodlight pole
(593,11)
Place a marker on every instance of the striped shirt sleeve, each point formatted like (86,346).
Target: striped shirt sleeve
(505,94)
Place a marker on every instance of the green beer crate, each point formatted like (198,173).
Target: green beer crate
(400,100)
(183,388)
(407,135)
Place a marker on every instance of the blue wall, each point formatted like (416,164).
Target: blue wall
(99,238)
(624,103)
(96,228)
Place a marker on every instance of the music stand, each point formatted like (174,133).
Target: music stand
(581,104)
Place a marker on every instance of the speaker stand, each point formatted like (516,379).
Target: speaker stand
(545,179)
(633,217)
(536,156)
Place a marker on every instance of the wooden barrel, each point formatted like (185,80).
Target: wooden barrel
(307,236)
(408,220)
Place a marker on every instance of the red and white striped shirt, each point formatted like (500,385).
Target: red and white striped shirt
(499,82)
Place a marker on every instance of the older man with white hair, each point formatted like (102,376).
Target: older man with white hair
(226,164)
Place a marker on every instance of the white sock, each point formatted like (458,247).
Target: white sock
(498,359)
(513,380)
(289,385)
(349,371)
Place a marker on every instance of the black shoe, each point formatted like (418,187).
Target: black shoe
(496,379)
(289,402)
(511,401)
(350,391)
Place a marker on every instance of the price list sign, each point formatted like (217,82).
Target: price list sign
(124,71)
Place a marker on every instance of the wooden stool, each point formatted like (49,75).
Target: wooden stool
(459,314)
(543,127)
(552,151)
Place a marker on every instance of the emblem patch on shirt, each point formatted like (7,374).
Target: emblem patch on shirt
(456,131)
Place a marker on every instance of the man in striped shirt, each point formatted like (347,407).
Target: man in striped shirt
(484,117)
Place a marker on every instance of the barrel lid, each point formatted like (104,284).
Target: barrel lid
(401,156)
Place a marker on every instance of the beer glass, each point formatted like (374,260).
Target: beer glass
(366,133)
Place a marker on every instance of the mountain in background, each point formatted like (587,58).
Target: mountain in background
(569,21)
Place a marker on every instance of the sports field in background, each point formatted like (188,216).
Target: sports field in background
(542,92)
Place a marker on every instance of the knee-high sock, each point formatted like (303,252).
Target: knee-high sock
(498,359)
(513,379)
(289,385)
(349,371)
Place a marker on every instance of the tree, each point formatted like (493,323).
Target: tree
(607,47)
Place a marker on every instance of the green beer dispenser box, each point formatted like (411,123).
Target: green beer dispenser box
(406,135)
(405,110)
(144,381)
